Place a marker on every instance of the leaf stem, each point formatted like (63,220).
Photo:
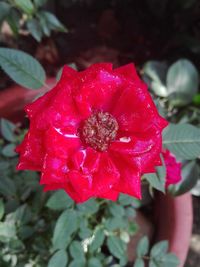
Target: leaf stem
(45,85)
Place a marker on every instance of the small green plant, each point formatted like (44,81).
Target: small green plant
(29,17)
(157,256)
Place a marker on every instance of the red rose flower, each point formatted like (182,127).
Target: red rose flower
(173,168)
(94,134)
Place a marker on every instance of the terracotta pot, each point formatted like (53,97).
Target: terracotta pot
(173,216)
(14,98)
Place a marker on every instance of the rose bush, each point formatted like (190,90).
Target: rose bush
(99,121)
(94,134)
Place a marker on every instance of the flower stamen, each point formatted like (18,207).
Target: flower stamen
(99,130)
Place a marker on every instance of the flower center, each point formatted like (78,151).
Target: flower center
(99,130)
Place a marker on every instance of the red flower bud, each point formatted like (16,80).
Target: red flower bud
(173,168)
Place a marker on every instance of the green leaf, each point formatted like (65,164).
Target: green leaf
(4,166)
(7,231)
(76,251)
(116,210)
(2,209)
(72,65)
(154,181)
(44,24)
(182,82)
(132,227)
(94,262)
(52,21)
(156,71)
(35,29)
(130,212)
(90,207)
(124,236)
(13,20)
(59,201)
(7,187)
(139,263)
(16,245)
(4,10)
(159,249)
(59,259)
(25,232)
(7,130)
(11,205)
(25,5)
(170,260)
(153,264)
(115,223)
(65,226)
(196,189)
(183,140)
(116,247)
(159,89)
(142,247)
(39,3)
(161,170)
(59,74)
(98,240)
(22,215)
(22,68)
(9,151)
(190,175)
(85,231)
(157,180)
(77,263)
(196,99)
(126,200)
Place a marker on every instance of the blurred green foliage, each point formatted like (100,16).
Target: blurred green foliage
(29,16)
(175,88)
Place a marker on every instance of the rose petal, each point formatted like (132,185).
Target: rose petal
(145,154)
(128,71)
(111,195)
(99,93)
(43,102)
(81,184)
(31,151)
(86,160)
(130,179)
(135,110)
(54,170)
(60,144)
(106,177)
